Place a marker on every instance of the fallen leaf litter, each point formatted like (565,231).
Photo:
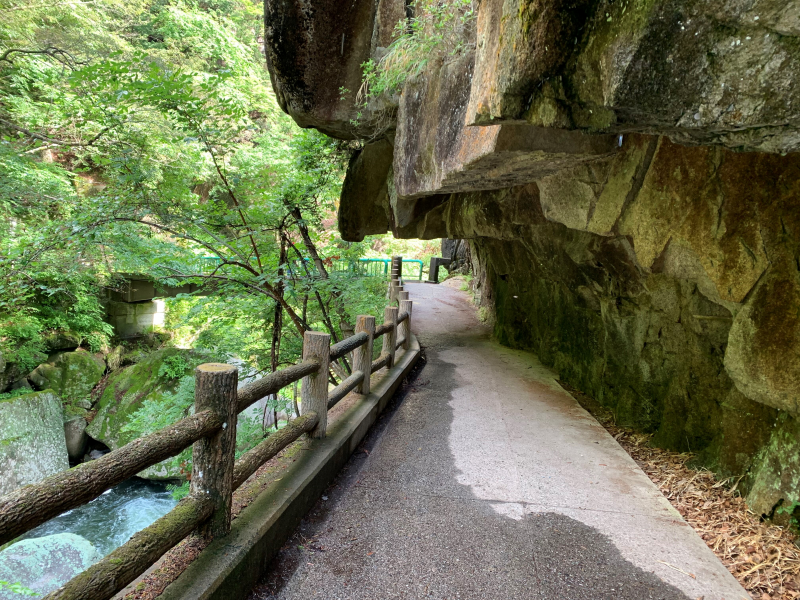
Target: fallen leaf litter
(764,558)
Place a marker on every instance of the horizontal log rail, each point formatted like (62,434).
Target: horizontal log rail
(348,345)
(30,506)
(252,460)
(380,362)
(212,429)
(344,388)
(274,382)
(384,329)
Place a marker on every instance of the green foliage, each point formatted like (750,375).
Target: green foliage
(14,393)
(157,413)
(143,137)
(174,367)
(791,509)
(45,302)
(440,30)
(18,588)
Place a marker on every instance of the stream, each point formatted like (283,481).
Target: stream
(111,519)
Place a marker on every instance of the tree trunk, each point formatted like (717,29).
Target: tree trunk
(344,324)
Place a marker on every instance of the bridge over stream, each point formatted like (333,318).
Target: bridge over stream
(487,480)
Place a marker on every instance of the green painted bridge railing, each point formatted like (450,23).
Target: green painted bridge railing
(378,267)
(363,267)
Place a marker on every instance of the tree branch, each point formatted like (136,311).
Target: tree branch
(62,56)
(49,140)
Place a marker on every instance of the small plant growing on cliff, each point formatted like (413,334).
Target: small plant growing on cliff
(439,29)
(173,367)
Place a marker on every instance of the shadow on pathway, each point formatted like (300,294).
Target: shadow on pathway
(485,480)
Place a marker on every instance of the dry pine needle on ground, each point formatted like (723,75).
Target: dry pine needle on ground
(763,557)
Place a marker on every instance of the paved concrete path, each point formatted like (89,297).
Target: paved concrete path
(487,480)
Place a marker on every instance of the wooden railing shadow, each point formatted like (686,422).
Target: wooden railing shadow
(212,432)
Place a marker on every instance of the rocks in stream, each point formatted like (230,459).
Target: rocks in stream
(32,443)
(71,375)
(45,564)
(124,393)
(76,438)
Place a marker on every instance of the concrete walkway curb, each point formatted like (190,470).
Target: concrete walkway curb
(229,567)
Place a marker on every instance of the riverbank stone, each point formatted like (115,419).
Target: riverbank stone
(32,444)
(76,438)
(71,375)
(128,388)
(45,564)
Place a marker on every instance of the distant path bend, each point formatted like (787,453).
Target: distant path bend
(489,481)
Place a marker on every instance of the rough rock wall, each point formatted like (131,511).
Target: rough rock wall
(32,444)
(626,173)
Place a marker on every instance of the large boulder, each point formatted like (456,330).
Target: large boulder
(71,375)
(762,356)
(128,388)
(76,438)
(314,52)
(367,178)
(32,444)
(775,486)
(703,72)
(436,153)
(45,564)
(62,340)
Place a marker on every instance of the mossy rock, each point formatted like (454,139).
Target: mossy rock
(45,564)
(71,375)
(127,389)
(32,443)
(62,340)
(775,489)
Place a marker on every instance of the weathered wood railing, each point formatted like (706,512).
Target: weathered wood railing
(212,431)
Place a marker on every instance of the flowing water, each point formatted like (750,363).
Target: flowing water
(110,520)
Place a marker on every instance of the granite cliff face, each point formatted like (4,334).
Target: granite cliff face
(628,179)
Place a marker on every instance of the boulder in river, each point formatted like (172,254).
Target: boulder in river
(75,434)
(71,375)
(45,564)
(128,388)
(32,444)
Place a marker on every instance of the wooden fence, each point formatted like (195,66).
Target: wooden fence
(212,431)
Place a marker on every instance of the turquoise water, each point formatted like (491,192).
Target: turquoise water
(110,520)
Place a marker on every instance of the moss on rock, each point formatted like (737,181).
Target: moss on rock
(71,375)
(128,388)
(45,564)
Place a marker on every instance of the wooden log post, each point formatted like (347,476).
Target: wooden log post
(213,456)
(314,394)
(397,263)
(362,356)
(397,292)
(390,337)
(405,326)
